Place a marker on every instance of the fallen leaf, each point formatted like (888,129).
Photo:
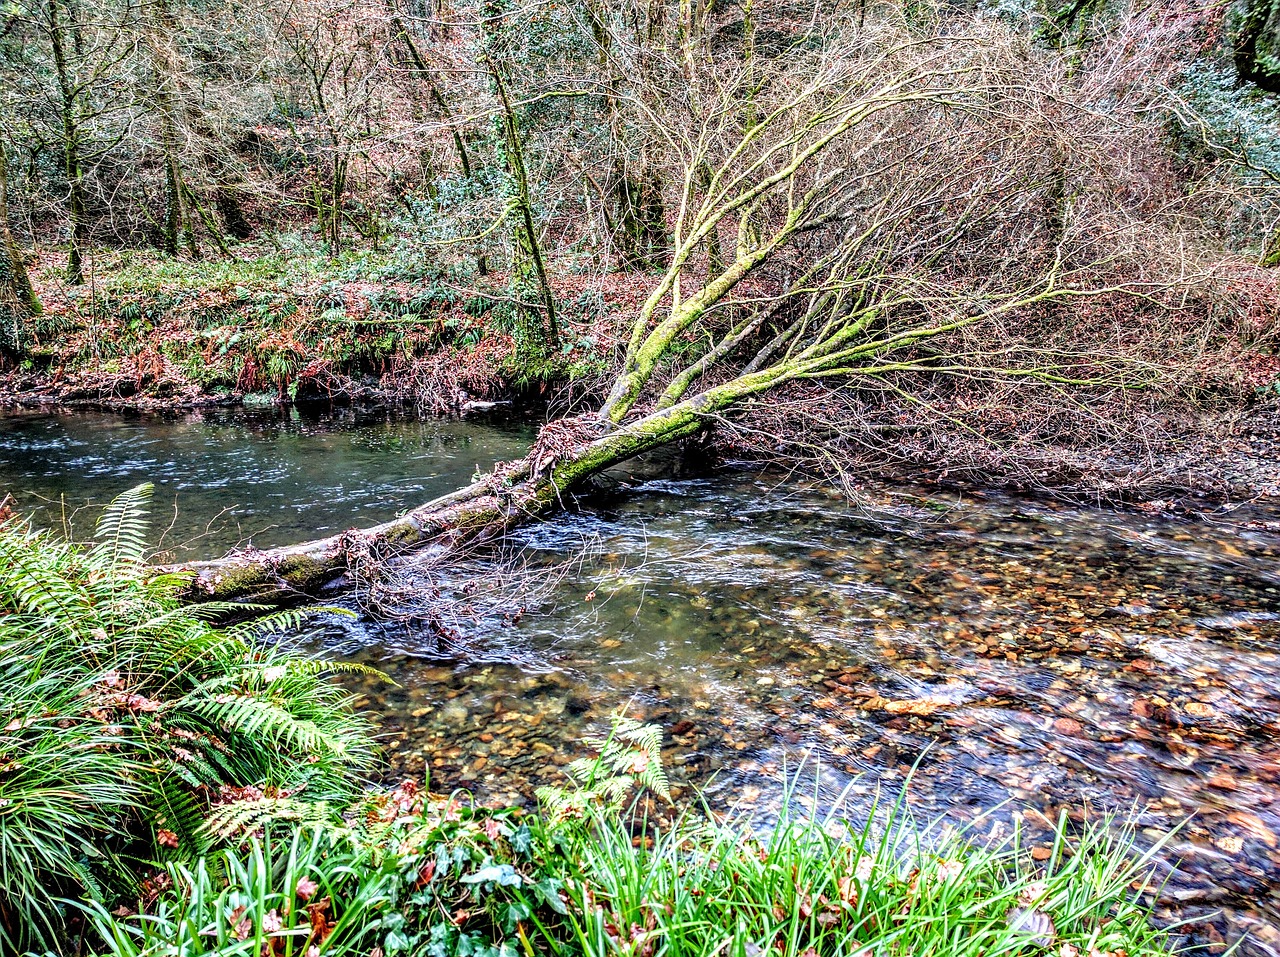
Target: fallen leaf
(1255,826)
(916,706)
(1036,924)
(1068,726)
(950,870)
(1232,845)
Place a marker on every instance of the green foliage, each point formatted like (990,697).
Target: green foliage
(307,886)
(124,713)
(628,757)
(408,873)
(1241,124)
(1254,29)
(812,885)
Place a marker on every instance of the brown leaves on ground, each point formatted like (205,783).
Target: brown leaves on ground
(166,838)
(1036,924)
(133,703)
(1255,826)
(321,926)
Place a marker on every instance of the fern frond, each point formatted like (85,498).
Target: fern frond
(240,818)
(122,532)
(629,755)
(177,810)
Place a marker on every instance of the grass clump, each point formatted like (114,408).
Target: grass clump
(125,715)
(418,875)
(813,886)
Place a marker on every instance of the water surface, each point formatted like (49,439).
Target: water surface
(237,477)
(1027,658)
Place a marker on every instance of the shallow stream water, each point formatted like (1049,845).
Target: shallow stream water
(1025,657)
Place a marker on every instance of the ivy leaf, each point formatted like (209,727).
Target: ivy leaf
(549,890)
(522,840)
(504,875)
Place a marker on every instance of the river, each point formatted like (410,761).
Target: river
(1015,658)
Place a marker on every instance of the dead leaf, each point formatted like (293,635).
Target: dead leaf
(1036,924)
(1232,845)
(916,706)
(1068,726)
(1255,826)
(240,929)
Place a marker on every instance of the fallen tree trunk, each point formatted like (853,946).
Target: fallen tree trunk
(895,217)
(567,453)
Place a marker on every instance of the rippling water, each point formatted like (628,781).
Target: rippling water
(1022,656)
(224,478)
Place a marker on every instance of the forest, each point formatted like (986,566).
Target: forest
(648,477)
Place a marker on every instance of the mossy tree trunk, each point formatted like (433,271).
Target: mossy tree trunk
(529,269)
(1254,30)
(512,495)
(18,299)
(63,29)
(849,265)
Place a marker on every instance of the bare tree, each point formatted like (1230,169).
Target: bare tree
(900,204)
(337,49)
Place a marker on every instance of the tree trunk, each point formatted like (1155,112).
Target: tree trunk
(70,122)
(18,300)
(1253,27)
(543,332)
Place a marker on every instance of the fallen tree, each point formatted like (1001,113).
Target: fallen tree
(946,205)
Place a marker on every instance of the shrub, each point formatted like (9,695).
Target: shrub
(125,714)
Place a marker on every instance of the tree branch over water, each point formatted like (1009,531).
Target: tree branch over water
(949,205)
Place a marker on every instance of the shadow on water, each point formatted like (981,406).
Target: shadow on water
(1028,656)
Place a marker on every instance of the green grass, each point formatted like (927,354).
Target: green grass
(821,886)
(296,261)
(124,714)
(421,876)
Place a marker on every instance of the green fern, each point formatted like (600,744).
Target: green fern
(122,532)
(243,818)
(628,757)
(125,712)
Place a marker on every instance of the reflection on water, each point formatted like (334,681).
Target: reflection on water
(228,477)
(1051,657)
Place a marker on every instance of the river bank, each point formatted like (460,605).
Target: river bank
(1023,652)
(284,324)
(1189,465)
(1019,653)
